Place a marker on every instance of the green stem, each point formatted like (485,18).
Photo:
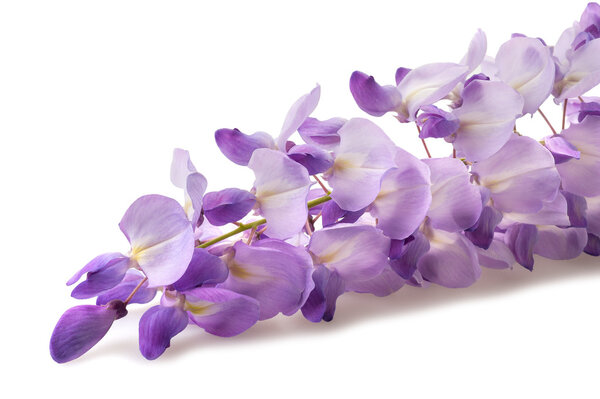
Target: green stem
(256,223)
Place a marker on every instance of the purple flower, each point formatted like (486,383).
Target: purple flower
(184,175)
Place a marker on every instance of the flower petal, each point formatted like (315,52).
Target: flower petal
(314,159)
(238,147)
(297,114)
(561,149)
(582,75)
(322,133)
(521,239)
(371,97)
(476,52)
(96,264)
(204,268)
(126,287)
(385,283)
(496,256)
(181,167)
(560,243)
(227,206)
(282,187)
(161,237)
(482,233)
(221,312)
(103,279)
(158,326)
(320,304)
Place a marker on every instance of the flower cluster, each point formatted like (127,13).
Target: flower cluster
(348,210)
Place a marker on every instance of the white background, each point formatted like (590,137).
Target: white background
(95,95)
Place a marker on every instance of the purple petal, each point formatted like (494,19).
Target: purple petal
(576,209)
(194,189)
(496,256)
(552,213)
(405,191)
(96,264)
(478,76)
(482,234)
(451,260)
(526,65)
(227,206)
(437,123)
(126,287)
(456,203)
(181,167)
(314,159)
(204,268)
(333,214)
(356,252)
(487,117)
(161,237)
(238,147)
(428,84)
(282,187)
(372,98)
(322,133)
(364,155)
(593,215)
(589,108)
(582,75)
(560,243)
(385,283)
(297,114)
(521,239)
(476,52)
(277,278)
(103,279)
(158,326)
(582,176)
(405,265)
(80,328)
(221,312)
(593,245)
(520,177)
(561,149)
(401,74)
(320,304)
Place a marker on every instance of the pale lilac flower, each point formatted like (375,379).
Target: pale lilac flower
(185,176)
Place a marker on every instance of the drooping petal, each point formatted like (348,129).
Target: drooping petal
(297,114)
(428,84)
(582,176)
(282,187)
(451,260)
(405,263)
(238,147)
(404,197)
(82,327)
(482,233)
(227,206)
(333,214)
(96,264)
(195,187)
(204,268)
(181,167)
(576,209)
(277,278)
(385,283)
(456,203)
(161,237)
(437,123)
(364,155)
(120,292)
(521,239)
(476,52)
(371,97)
(520,177)
(322,133)
(356,252)
(487,117)
(103,279)
(561,149)
(314,159)
(158,326)
(560,243)
(320,304)
(526,65)
(221,312)
(582,75)
(497,255)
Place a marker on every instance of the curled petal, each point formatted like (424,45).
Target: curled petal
(356,252)
(277,278)
(520,177)
(282,187)
(553,212)
(320,304)
(593,245)
(456,203)
(476,51)
(82,327)
(158,326)
(322,133)
(576,210)
(371,97)
(525,64)
(333,214)
(583,73)
(238,147)
(496,256)
(364,155)
(582,176)
(405,263)
(204,268)
(405,190)
(195,187)
(435,122)
(451,260)
(103,279)
(126,287)
(521,239)
(96,264)
(314,159)
(487,117)
(181,167)
(221,312)
(482,233)
(561,149)
(227,206)
(161,237)
(297,114)
(560,243)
